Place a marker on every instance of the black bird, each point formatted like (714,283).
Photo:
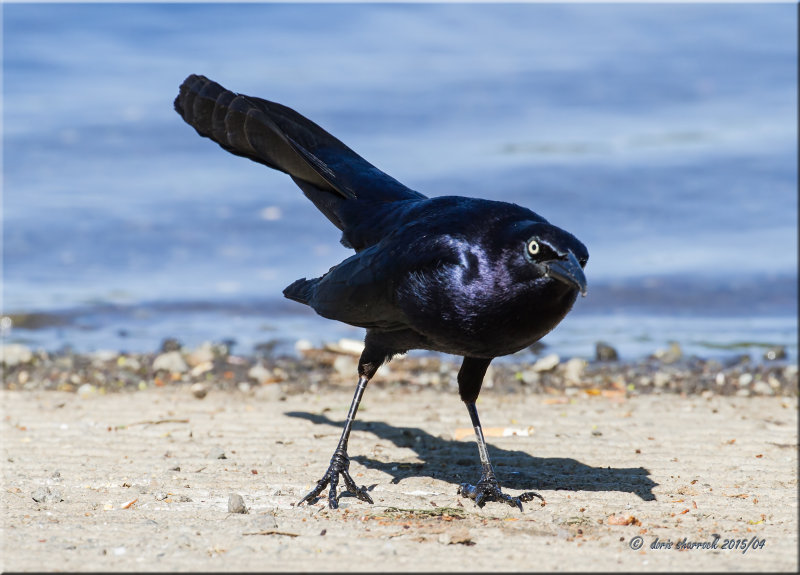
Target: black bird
(458,275)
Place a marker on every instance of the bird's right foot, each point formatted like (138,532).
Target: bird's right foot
(488,489)
(340,465)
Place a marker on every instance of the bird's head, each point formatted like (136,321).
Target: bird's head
(545,251)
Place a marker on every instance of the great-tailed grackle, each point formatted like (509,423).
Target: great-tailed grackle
(465,276)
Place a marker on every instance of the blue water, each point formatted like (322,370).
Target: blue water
(663,136)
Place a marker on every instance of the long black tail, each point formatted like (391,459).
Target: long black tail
(326,170)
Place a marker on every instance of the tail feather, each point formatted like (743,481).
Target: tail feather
(279,137)
(301,290)
(242,126)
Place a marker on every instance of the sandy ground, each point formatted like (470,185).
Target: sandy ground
(614,472)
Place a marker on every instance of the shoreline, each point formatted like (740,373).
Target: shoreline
(213,366)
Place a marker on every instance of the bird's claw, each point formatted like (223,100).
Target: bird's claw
(340,465)
(489,490)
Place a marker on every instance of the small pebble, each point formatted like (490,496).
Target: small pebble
(266,348)
(170,344)
(775,353)
(217,453)
(129,363)
(670,355)
(86,390)
(104,355)
(303,345)
(573,369)
(546,363)
(345,365)
(260,373)
(201,355)
(171,361)
(762,388)
(604,352)
(660,379)
(346,346)
(236,504)
(271,392)
(47,495)
(14,354)
(199,390)
(201,368)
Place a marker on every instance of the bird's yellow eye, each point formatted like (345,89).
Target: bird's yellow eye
(533,247)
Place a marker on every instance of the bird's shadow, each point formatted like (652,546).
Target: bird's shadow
(457,461)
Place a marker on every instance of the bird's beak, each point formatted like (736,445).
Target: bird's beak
(568,271)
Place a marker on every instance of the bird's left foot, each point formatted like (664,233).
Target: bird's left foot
(489,490)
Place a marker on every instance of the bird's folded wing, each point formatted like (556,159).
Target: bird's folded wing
(279,137)
(362,290)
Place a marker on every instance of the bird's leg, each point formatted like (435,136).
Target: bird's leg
(470,379)
(340,462)
(487,488)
